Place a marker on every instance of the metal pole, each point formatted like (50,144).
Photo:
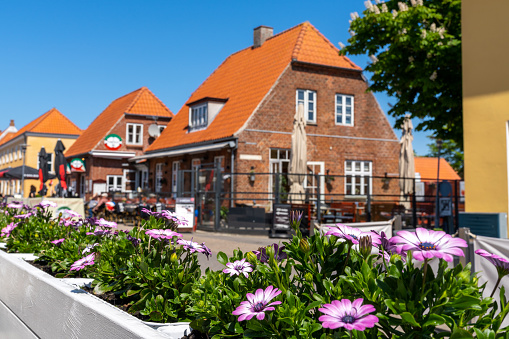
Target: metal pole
(23,149)
(456,206)
(277,188)
(414,207)
(318,200)
(437,207)
(368,203)
(218,197)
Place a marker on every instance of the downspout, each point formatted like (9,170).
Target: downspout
(232,170)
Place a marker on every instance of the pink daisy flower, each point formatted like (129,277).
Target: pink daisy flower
(58,241)
(80,264)
(352,234)
(162,234)
(427,244)
(351,316)
(257,304)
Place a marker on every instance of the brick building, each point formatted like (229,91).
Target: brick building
(99,157)
(241,117)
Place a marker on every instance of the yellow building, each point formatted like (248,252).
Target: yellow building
(485,104)
(41,132)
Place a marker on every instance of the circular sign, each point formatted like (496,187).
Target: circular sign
(113,142)
(77,165)
(63,211)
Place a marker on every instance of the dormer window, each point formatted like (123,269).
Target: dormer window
(199,116)
(202,112)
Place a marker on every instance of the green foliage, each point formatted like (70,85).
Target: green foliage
(418,60)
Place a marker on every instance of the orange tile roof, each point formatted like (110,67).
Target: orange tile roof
(245,77)
(427,168)
(51,122)
(142,101)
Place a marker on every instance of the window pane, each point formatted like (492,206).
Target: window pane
(348,100)
(300,95)
(311,96)
(348,120)
(357,166)
(273,153)
(366,166)
(348,166)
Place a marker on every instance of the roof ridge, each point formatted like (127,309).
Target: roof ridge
(300,38)
(135,99)
(145,89)
(41,118)
(331,44)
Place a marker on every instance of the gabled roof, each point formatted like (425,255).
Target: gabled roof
(140,102)
(245,77)
(51,122)
(428,167)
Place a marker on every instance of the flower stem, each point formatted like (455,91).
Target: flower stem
(496,285)
(347,256)
(424,278)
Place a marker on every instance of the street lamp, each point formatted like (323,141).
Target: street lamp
(437,208)
(23,151)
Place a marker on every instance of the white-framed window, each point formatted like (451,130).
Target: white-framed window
(129,181)
(159,176)
(308,99)
(20,153)
(312,183)
(161,128)
(16,153)
(199,116)
(10,155)
(358,177)
(174,178)
(134,134)
(114,183)
(50,162)
(344,110)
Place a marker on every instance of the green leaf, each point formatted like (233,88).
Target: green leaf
(409,318)
(222,258)
(144,267)
(458,333)
(434,320)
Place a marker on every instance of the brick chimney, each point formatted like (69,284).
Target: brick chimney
(12,122)
(260,34)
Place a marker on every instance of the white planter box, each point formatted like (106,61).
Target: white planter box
(34,304)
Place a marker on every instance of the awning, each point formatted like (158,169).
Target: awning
(187,150)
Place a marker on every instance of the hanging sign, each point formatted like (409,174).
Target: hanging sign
(77,165)
(113,142)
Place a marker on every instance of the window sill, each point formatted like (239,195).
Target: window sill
(311,124)
(345,125)
(356,197)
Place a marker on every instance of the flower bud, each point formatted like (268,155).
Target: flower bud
(270,251)
(304,245)
(251,258)
(309,277)
(173,258)
(365,245)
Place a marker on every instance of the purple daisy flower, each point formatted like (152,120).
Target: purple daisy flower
(23,216)
(500,263)
(279,253)
(104,223)
(99,232)
(238,267)
(162,234)
(193,246)
(58,241)
(257,304)
(80,264)
(427,244)
(352,234)
(390,247)
(6,231)
(46,204)
(179,220)
(344,313)
(15,204)
(89,248)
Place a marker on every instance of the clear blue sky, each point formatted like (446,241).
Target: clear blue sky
(78,56)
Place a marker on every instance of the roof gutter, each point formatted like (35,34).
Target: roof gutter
(303,63)
(188,149)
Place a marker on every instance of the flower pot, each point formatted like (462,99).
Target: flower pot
(34,304)
(173,330)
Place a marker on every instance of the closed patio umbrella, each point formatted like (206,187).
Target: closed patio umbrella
(406,162)
(17,172)
(43,170)
(60,166)
(298,158)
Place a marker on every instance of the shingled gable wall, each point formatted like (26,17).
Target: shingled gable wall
(276,114)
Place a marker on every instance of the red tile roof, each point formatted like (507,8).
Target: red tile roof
(427,168)
(51,122)
(141,102)
(245,77)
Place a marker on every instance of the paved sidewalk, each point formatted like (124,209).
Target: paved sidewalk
(223,242)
